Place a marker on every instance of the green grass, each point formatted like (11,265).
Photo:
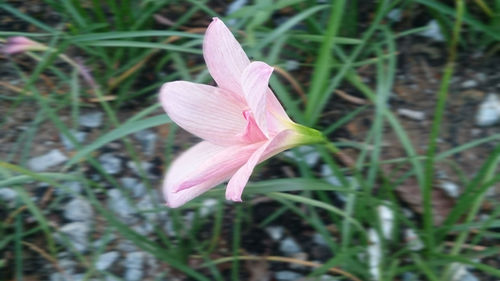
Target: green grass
(130,56)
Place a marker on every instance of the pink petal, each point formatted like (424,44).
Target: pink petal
(201,168)
(224,56)
(272,147)
(276,115)
(208,112)
(252,133)
(18,44)
(254,82)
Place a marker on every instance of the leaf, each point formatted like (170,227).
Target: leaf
(120,132)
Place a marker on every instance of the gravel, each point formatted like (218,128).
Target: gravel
(136,187)
(71,188)
(287,275)
(133,264)
(469,84)
(106,260)
(289,246)
(120,205)
(46,161)
(489,111)
(275,232)
(9,196)
(91,120)
(79,137)
(111,163)
(412,114)
(78,209)
(77,234)
(305,153)
(147,139)
(433,31)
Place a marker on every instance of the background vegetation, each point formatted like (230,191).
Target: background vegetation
(114,55)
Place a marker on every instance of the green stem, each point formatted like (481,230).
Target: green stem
(323,64)
(438,117)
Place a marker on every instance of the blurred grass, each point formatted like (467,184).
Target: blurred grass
(122,44)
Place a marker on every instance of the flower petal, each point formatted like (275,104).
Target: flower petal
(224,56)
(272,147)
(252,131)
(254,82)
(208,112)
(276,115)
(18,44)
(202,167)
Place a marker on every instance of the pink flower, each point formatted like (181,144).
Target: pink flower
(241,122)
(18,44)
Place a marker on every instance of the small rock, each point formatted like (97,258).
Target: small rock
(460,273)
(481,76)
(56,276)
(287,275)
(321,278)
(79,137)
(235,6)
(143,228)
(299,256)
(67,264)
(152,263)
(409,276)
(105,260)
(9,196)
(275,232)
(145,166)
(126,246)
(433,31)
(134,263)
(112,278)
(147,138)
(146,207)
(374,251)
(450,188)
(387,220)
(412,114)
(104,240)
(110,163)
(412,240)
(305,153)
(395,15)
(70,188)
(78,209)
(77,233)
(319,239)
(136,188)
(469,84)
(289,246)
(489,111)
(170,229)
(208,206)
(91,120)
(291,65)
(327,174)
(120,205)
(44,162)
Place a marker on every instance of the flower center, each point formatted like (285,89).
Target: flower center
(252,131)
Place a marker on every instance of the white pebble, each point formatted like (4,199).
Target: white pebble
(387,220)
(412,114)
(489,111)
(91,120)
(47,161)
